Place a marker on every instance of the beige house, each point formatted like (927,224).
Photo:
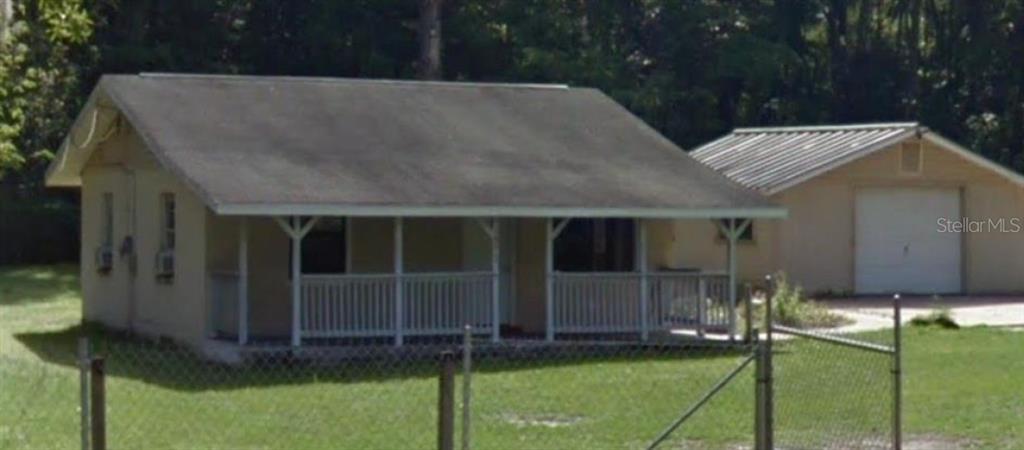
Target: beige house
(873,209)
(258,211)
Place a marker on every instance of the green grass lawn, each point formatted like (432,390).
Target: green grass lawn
(962,386)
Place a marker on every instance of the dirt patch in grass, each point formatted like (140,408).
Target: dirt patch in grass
(938,442)
(541,420)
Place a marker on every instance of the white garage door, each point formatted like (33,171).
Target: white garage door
(898,244)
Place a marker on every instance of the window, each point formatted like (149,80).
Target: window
(108,220)
(105,251)
(596,245)
(167,235)
(324,247)
(746,236)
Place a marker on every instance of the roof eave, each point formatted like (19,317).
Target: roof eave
(257,209)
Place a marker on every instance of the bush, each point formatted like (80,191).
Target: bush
(791,308)
(940,318)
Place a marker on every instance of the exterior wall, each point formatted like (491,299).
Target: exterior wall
(696,244)
(105,295)
(530,274)
(815,244)
(130,296)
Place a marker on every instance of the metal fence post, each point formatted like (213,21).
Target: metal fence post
(446,403)
(897,376)
(768,394)
(748,316)
(702,298)
(759,399)
(467,369)
(99,406)
(83,383)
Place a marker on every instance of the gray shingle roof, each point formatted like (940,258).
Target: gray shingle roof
(772,159)
(314,146)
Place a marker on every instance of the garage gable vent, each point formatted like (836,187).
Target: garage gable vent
(910,158)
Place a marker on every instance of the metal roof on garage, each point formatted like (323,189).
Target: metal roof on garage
(773,159)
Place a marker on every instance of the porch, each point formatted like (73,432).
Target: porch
(517,288)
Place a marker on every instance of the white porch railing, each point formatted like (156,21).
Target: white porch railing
(364,305)
(611,302)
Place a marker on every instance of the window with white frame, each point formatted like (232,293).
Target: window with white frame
(167,225)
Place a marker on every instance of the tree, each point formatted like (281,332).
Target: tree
(41,64)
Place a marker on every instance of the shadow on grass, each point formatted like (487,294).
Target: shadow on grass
(37,284)
(173,366)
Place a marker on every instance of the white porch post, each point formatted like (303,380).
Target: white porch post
(551,231)
(399,268)
(243,281)
(495,276)
(296,282)
(641,267)
(296,231)
(549,269)
(731,236)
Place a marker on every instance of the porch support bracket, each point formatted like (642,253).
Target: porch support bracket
(296,230)
(493,231)
(641,267)
(552,230)
(732,233)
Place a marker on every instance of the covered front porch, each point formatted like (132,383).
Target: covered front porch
(345,280)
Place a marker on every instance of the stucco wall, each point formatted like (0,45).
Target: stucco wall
(815,244)
(135,299)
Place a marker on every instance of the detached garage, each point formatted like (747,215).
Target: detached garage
(873,209)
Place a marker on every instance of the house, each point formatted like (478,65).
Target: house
(873,209)
(299,211)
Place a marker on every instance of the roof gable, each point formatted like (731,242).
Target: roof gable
(278,145)
(774,159)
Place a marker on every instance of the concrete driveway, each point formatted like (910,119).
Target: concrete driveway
(871,313)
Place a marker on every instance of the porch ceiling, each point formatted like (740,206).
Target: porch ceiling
(302,146)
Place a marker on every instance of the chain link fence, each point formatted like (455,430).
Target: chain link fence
(582,394)
(827,390)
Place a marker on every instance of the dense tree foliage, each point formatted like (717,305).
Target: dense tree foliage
(692,68)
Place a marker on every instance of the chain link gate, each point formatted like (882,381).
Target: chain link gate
(854,401)
(818,389)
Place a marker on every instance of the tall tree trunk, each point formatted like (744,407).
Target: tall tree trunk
(429,65)
(836,19)
(6,15)
(914,48)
